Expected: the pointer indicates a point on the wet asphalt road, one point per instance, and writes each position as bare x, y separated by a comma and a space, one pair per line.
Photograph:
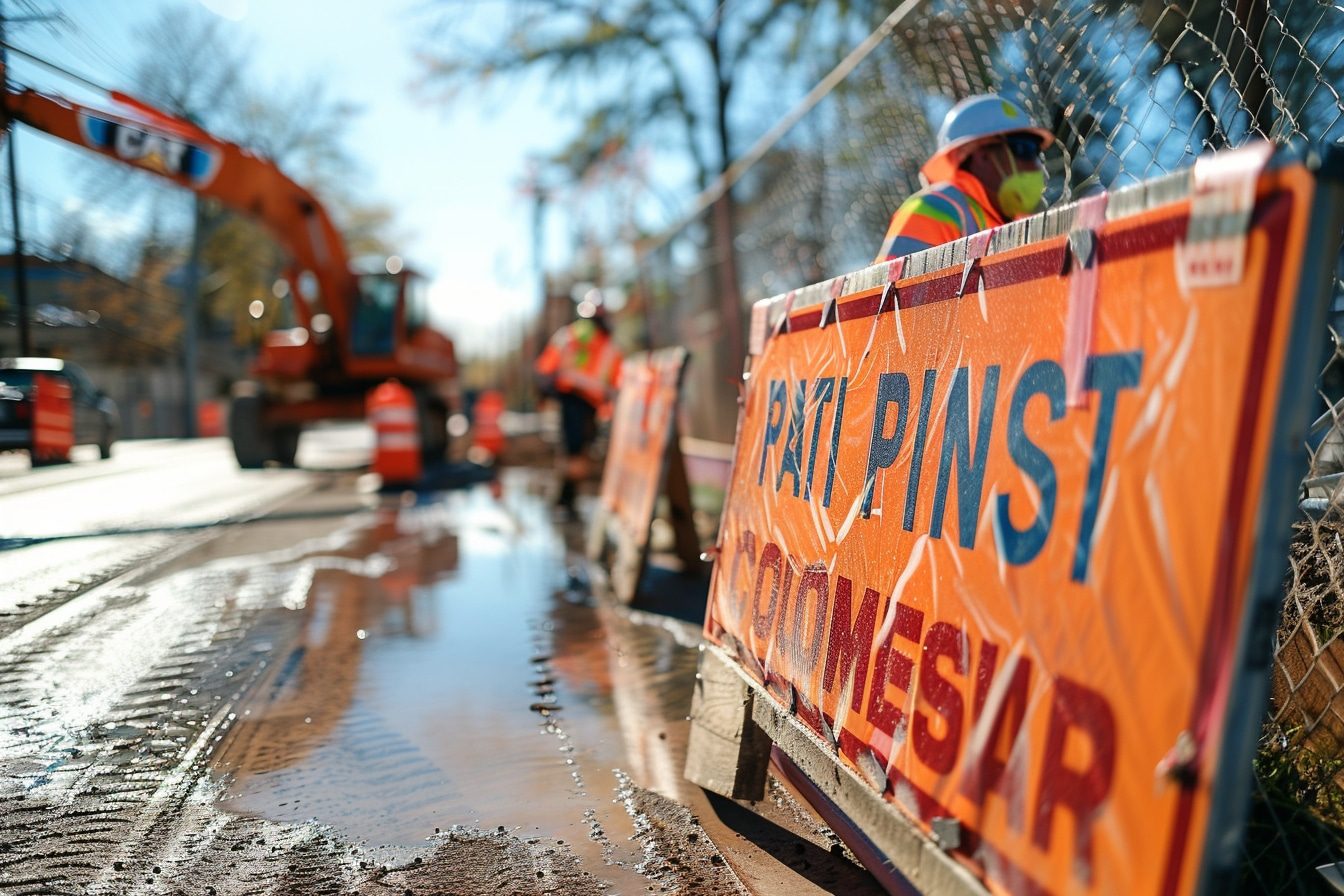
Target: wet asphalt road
355, 694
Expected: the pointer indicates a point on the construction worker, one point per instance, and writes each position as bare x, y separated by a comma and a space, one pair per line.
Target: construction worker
985, 172
580, 368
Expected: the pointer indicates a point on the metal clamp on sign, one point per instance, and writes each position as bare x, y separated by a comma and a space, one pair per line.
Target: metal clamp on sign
977, 244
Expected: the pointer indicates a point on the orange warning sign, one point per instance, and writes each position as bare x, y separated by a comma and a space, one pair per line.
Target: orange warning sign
641, 426
991, 529
643, 462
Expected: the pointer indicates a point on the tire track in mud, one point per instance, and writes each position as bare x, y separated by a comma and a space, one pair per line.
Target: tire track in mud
117, 706
113, 710
47, 587
38, 578
109, 716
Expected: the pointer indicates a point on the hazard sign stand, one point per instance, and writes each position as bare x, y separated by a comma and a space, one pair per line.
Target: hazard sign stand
961, 679
644, 462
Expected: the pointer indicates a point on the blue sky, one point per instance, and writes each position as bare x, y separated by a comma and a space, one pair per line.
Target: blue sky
451, 173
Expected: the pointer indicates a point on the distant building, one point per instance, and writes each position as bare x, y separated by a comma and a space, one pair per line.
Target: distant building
127, 335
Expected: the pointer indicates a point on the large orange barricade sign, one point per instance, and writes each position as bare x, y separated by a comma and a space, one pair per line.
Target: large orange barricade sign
993, 528
643, 461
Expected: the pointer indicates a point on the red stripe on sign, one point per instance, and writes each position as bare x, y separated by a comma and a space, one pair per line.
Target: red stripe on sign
1038, 265
1218, 648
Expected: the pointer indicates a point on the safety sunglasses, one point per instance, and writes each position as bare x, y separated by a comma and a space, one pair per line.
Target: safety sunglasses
1022, 146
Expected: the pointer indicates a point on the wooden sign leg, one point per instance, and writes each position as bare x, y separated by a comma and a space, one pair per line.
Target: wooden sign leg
680, 511
728, 753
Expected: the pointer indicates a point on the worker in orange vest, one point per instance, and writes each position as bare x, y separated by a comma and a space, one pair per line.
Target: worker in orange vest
985, 172
580, 368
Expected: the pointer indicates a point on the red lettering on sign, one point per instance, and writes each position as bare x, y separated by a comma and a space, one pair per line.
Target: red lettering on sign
781, 619
1079, 751
1087, 714
850, 641
814, 581
746, 552
773, 560
894, 667
997, 726
940, 753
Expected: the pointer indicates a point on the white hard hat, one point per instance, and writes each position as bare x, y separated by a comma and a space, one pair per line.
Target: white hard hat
971, 121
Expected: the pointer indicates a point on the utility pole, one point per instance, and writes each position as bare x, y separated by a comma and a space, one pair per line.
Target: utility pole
20, 272
191, 303
535, 331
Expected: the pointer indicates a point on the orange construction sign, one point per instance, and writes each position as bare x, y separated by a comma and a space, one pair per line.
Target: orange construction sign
1008, 521
643, 462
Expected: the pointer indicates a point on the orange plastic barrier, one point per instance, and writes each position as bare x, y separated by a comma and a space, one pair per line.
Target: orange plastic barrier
487, 434
643, 461
53, 420
390, 410
1007, 534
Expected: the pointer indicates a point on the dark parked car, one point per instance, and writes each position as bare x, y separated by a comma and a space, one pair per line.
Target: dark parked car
95, 415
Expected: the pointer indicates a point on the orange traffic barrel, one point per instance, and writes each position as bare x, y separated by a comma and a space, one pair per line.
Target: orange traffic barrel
209, 419
53, 420
390, 410
487, 434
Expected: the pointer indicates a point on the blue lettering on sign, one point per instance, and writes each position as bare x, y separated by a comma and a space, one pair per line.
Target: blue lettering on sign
892, 388
793, 442
1107, 374
796, 414
835, 441
1019, 546
795, 420
773, 425
957, 441
917, 462
822, 394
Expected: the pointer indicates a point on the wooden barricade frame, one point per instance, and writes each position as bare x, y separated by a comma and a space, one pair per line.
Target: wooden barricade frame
1059, 663
643, 462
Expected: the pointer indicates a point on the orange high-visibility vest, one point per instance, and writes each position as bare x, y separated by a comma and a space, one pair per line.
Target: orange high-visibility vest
584, 361
939, 214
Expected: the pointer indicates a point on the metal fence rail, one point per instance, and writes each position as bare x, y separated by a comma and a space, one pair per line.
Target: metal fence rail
1131, 91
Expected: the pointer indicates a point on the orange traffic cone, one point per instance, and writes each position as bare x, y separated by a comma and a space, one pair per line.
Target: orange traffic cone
390, 409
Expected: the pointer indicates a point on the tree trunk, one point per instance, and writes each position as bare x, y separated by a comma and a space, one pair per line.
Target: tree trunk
722, 222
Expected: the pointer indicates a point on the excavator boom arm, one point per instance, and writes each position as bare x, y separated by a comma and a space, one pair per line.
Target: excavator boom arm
179, 151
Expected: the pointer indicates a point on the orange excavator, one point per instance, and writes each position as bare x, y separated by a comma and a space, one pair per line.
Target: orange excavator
354, 330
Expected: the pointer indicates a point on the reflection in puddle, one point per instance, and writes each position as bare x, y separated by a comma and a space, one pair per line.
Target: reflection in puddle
444, 677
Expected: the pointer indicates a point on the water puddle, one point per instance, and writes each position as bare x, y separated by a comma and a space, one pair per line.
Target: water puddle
446, 678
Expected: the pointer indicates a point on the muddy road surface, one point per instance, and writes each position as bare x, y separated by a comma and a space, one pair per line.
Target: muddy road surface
331, 691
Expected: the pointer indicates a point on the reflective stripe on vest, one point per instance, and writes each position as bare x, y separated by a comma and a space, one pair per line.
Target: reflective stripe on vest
588, 369
938, 214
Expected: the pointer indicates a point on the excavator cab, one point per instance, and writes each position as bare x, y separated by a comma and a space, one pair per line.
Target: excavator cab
373, 326
387, 302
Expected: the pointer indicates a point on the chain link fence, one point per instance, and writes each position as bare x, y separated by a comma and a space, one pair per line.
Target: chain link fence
1131, 91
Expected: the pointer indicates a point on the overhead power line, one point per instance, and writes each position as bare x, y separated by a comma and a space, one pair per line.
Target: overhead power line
58, 69
724, 182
